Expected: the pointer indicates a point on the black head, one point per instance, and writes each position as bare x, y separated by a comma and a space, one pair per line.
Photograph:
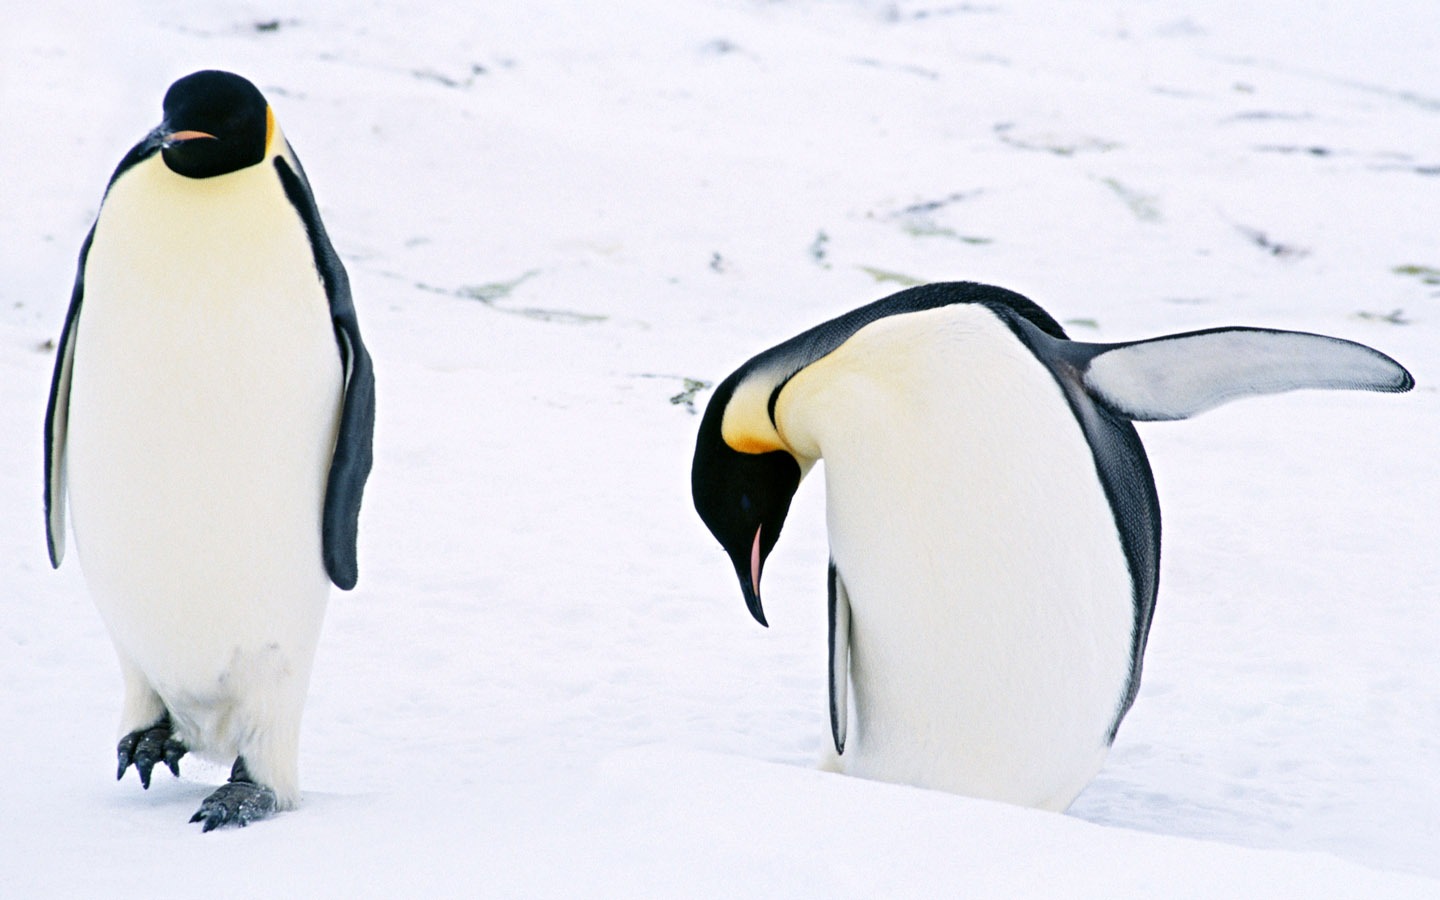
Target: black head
742, 497
215, 123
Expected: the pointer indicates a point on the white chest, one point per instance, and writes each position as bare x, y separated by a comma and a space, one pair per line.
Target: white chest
991, 601
205, 394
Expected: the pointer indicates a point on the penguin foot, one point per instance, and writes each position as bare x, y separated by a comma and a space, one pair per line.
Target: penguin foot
238, 802
144, 747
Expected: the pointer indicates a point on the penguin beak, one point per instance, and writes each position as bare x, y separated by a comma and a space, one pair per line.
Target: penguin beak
750, 580
177, 137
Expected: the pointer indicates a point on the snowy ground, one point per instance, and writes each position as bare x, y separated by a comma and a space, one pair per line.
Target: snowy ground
556, 213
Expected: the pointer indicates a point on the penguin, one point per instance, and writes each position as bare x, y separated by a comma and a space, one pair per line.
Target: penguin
993, 524
210, 419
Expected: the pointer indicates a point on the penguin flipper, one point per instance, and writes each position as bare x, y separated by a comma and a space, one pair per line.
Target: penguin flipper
57, 416
350, 464
1180, 375
839, 657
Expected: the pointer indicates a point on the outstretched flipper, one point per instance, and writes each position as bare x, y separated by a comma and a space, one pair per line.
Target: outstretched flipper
1180, 375
144, 747
238, 802
1174, 377
839, 658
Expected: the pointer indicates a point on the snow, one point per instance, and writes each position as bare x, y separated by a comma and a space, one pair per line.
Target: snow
553, 214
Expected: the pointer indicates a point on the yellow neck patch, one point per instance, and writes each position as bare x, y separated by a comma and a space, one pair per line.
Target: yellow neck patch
746, 426
269, 127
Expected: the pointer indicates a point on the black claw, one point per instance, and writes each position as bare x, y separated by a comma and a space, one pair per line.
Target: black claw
125, 750
145, 759
238, 802
144, 747
173, 751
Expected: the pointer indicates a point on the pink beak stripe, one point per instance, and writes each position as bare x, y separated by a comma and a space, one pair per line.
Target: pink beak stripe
755, 563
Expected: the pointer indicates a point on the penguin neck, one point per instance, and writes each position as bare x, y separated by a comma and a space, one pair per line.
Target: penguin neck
239, 224
177, 204
938, 373
937, 428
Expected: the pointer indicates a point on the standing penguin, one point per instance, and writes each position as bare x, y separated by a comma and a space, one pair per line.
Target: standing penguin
212, 411
994, 527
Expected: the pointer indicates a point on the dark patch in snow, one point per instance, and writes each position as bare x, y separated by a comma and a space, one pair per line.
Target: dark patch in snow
1266, 115
1273, 247
917, 219
1380, 162
1404, 95
1394, 317
690, 387
450, 81
1288, 149
1048, 143
929, 206
1427, 274
924, 226
1145, 207
724, 47
894, 12
1405, 167
491, 293
897, 67
885, 276
820, 248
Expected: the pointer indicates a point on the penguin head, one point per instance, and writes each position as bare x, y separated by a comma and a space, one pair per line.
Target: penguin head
743, 493
215, 123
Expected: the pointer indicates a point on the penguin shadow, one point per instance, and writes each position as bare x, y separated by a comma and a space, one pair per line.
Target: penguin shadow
168, 799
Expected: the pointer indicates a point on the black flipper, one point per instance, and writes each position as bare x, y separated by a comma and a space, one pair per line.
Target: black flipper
57, 416
839, 658
350, 464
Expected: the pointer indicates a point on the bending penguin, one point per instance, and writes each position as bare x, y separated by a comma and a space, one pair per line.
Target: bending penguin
994, 528
211, 410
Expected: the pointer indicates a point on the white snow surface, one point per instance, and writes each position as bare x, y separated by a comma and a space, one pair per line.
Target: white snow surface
553, 213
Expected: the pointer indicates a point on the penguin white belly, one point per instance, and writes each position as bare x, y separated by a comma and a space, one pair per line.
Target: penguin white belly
203, 413
991, 603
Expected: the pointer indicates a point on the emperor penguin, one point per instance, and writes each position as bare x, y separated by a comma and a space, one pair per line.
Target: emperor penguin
993, 524
211, 414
